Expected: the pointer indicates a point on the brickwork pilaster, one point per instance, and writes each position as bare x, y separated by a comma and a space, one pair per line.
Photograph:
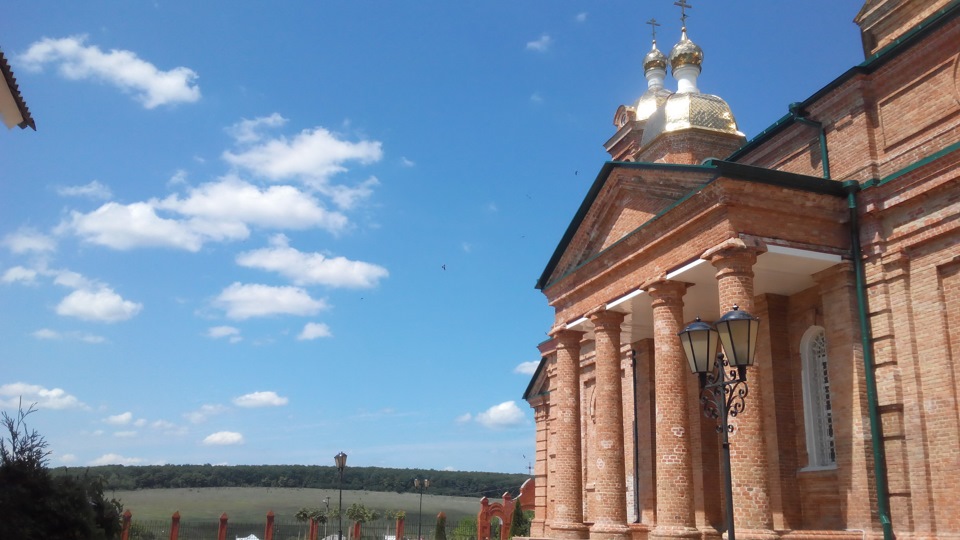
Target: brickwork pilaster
609, 507
848, 397
567, 519
748, 450
675, 499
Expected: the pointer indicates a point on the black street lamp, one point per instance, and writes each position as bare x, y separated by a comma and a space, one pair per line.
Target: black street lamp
723, 379
420, 485
341, 461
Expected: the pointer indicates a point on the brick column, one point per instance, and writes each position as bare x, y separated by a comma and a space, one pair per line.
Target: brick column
753, 517
567, 520
676, 517
610, 514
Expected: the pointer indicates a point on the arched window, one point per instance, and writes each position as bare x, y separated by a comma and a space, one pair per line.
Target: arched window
817, 411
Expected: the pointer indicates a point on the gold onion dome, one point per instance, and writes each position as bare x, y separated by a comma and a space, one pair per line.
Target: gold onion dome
691, 111
685, 53
654, 59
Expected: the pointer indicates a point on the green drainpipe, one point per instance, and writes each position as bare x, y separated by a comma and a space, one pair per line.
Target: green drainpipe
799, 115
876, 436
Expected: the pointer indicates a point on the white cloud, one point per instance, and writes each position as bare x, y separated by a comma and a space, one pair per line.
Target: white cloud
217, 332
406, 162
116, 459
140, 422
19, 274
312, 268
248, 131
204, 412
123, 69
527, 368
464, 418
260, 399
28, 240
230, 203
125, 434
119, 419
581, 17
243, 301
68, 458
57, 398
103, 305
346, 197
313, 331
542, 44
222, 438
93, 190
46, 333
133, 225
506, 414
178, 178
169, 428
313, 155
536, 97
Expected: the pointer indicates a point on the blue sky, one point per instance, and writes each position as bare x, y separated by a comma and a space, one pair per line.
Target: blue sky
258, 233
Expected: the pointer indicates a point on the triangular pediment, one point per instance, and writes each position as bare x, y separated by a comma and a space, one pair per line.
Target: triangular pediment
623, 200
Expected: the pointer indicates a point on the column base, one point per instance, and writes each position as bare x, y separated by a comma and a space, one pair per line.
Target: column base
674, 531
609, 532
569, 531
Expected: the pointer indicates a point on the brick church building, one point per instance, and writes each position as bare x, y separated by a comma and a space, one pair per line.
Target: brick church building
839, 228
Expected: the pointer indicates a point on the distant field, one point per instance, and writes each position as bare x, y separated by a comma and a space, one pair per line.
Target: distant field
252, 504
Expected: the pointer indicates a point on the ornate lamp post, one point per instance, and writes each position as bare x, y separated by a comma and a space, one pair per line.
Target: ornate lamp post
723, 379
341, 461
420, 485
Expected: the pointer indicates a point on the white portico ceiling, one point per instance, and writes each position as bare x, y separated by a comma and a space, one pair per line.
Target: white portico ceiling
780, 270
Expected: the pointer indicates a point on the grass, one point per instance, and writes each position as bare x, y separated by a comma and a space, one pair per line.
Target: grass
252, 504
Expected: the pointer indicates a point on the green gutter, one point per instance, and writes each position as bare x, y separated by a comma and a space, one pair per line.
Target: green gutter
871, 64
866, 337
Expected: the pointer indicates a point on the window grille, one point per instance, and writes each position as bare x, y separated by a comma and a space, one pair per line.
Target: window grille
818, 411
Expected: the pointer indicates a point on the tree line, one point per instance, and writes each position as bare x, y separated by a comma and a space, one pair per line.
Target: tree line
453, 483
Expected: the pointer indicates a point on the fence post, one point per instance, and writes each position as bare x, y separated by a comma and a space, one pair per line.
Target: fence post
125, 531
356, 530
268, 531
314, 528
222, 532
175, 526
400, 522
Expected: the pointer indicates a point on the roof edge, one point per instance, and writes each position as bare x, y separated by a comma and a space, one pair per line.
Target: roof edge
868, 66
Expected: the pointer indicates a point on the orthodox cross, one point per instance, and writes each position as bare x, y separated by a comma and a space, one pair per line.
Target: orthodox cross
653, 28
683, 10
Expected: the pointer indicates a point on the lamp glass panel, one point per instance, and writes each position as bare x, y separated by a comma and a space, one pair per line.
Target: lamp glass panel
700, 346
739, 337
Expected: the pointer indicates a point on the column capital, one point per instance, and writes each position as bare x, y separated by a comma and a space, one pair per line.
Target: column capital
665, 292
565, 337
604, 319
743, 247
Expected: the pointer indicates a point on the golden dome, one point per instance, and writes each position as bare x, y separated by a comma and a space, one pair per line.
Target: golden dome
650, 101
685, 53
654, 59
692, 110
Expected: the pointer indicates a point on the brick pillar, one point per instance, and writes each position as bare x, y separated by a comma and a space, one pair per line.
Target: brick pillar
609, 514
268, 529
748, 449
675, 499
567, 520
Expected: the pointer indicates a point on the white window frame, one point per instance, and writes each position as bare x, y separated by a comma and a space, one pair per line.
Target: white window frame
817, 413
